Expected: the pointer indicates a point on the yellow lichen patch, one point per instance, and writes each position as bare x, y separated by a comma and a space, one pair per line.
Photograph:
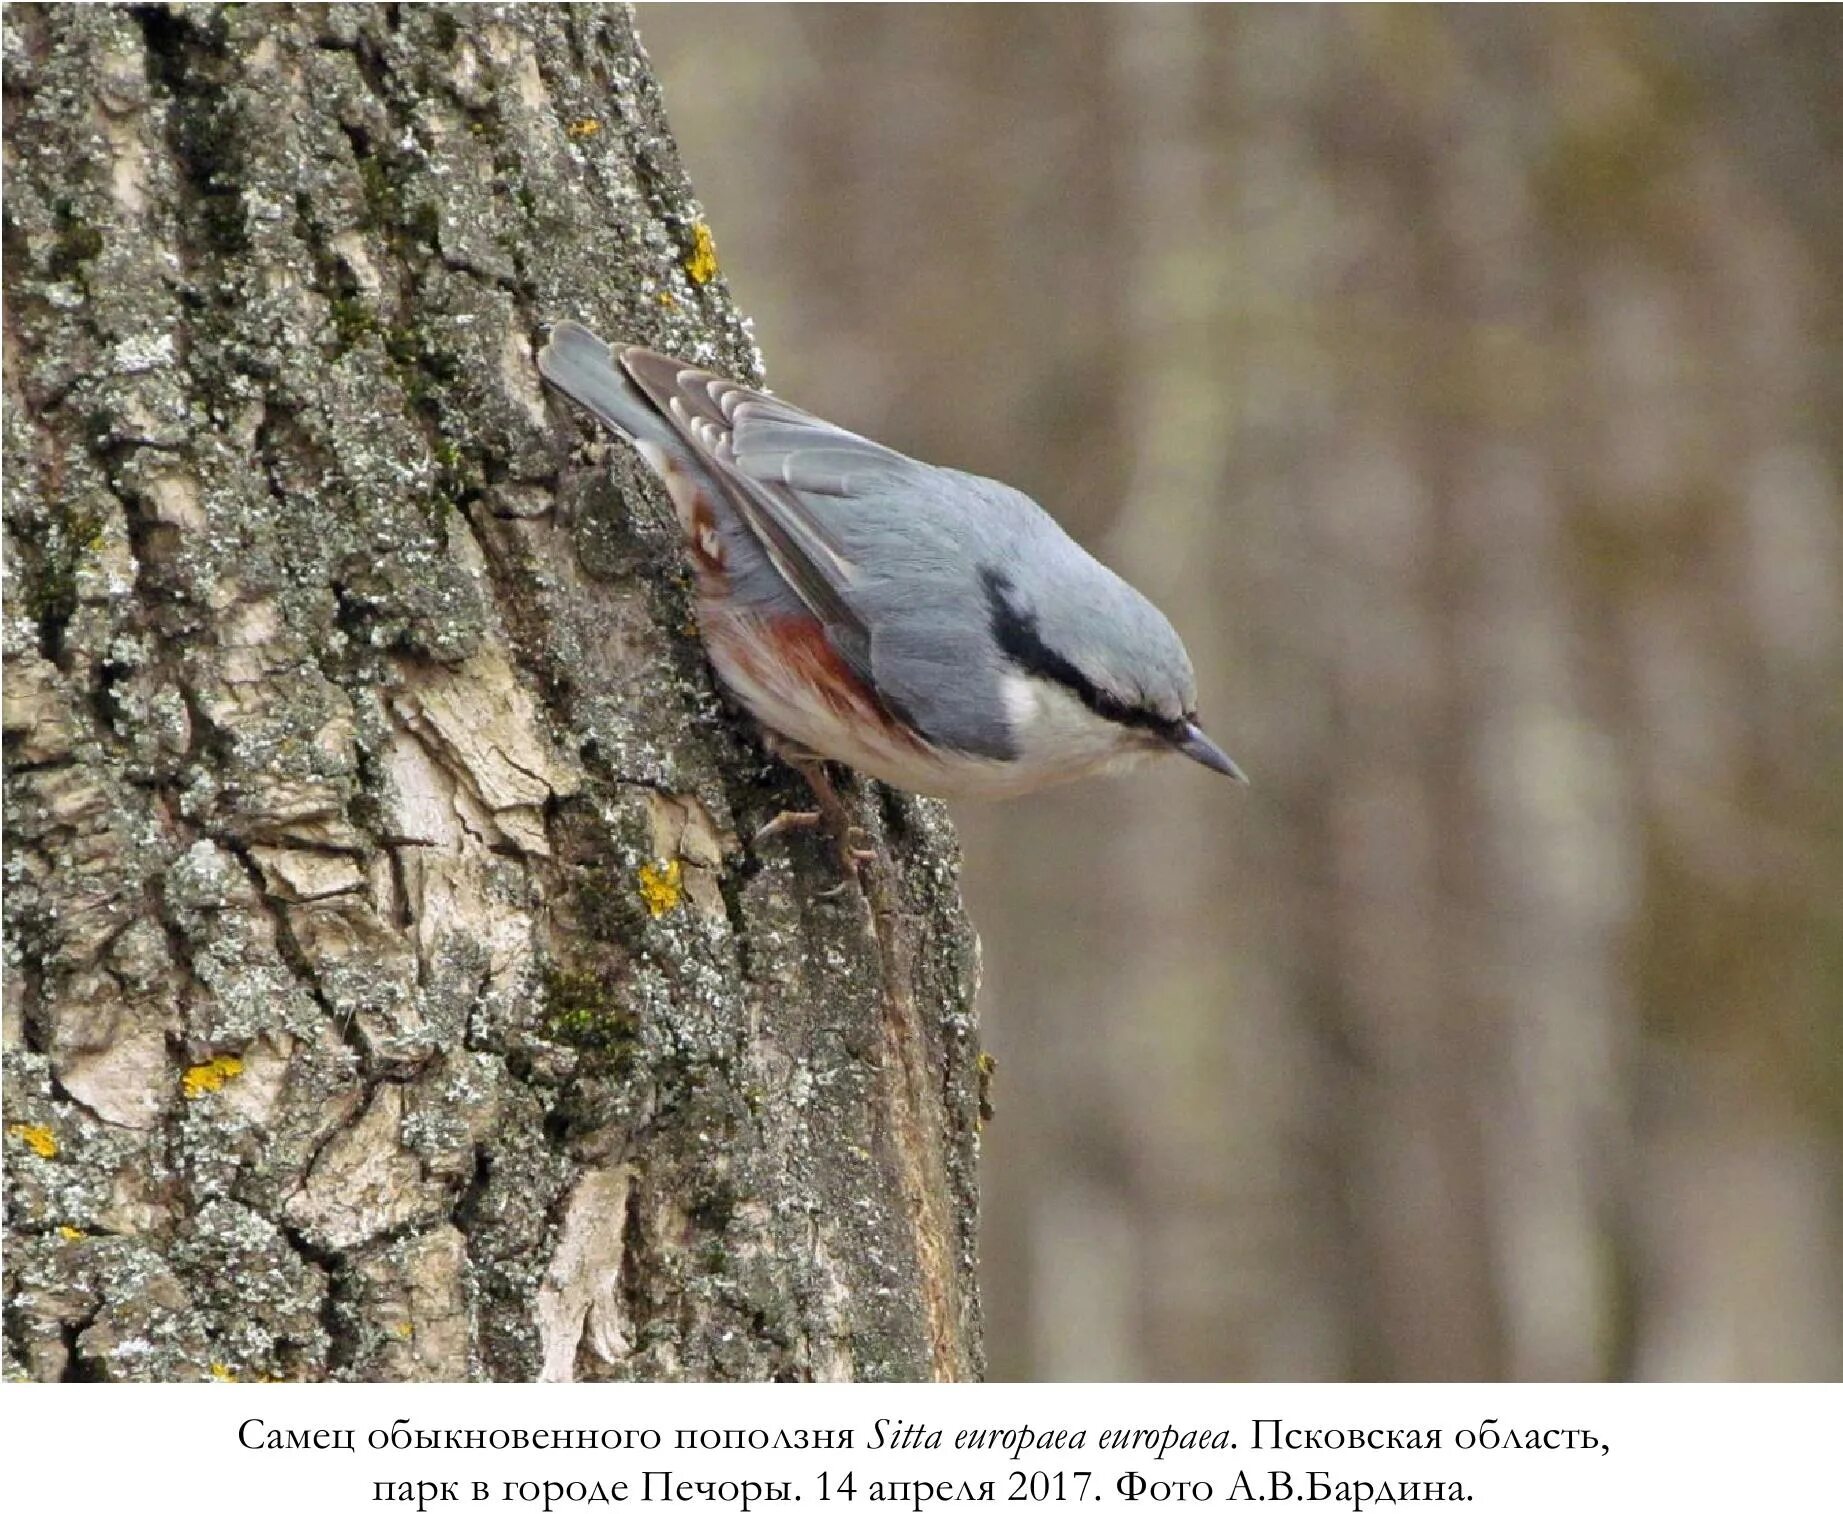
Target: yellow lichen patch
70, 1232
665, 298
581, 131
209, 1077
701, 266
662, 886
223, 1373
986, 1069
403, 1330
41, 1140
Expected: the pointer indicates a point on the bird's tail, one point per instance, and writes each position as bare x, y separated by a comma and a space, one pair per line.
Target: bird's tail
586, 369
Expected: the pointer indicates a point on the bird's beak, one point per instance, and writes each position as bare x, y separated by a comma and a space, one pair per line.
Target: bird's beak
1199, 748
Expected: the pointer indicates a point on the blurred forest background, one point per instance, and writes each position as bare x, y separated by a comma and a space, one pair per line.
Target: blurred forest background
1468, 386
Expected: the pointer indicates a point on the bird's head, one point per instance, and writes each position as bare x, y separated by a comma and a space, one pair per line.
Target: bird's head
1095, 678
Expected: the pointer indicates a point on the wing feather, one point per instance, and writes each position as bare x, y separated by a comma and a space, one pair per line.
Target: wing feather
762, 452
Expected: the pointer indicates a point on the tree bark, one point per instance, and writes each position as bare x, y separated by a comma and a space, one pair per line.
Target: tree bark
389, 993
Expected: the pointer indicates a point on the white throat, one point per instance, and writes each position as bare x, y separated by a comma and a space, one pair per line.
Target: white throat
1058, 736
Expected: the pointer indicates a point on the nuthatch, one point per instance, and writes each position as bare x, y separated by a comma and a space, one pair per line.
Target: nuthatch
932, 628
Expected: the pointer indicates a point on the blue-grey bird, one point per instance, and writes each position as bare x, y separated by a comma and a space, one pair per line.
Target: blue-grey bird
934, 629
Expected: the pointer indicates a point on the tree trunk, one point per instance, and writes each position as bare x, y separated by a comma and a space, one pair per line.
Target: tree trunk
389, 992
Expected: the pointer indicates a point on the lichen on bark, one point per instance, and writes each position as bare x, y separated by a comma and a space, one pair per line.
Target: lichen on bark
354, 726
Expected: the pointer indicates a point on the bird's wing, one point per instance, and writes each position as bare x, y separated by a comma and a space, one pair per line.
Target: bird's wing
777, 443
764, 453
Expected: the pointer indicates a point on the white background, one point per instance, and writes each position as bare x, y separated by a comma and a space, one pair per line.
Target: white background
1671, 1447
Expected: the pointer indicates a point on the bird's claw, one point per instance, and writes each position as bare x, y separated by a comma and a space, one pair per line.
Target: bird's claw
854, 849
853, 843
789, 820
852, 860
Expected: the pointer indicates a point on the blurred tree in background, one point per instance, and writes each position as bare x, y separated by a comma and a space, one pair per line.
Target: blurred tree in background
1467, 384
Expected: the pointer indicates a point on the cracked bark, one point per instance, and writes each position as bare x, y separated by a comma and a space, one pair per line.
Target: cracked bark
388, 994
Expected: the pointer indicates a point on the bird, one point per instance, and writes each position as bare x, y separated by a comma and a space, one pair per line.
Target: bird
936, 630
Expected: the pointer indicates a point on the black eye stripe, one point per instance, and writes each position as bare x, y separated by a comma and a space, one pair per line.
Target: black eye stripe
1018, 638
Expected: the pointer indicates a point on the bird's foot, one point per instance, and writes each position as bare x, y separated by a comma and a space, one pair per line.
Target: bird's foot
789, 820
852, 842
